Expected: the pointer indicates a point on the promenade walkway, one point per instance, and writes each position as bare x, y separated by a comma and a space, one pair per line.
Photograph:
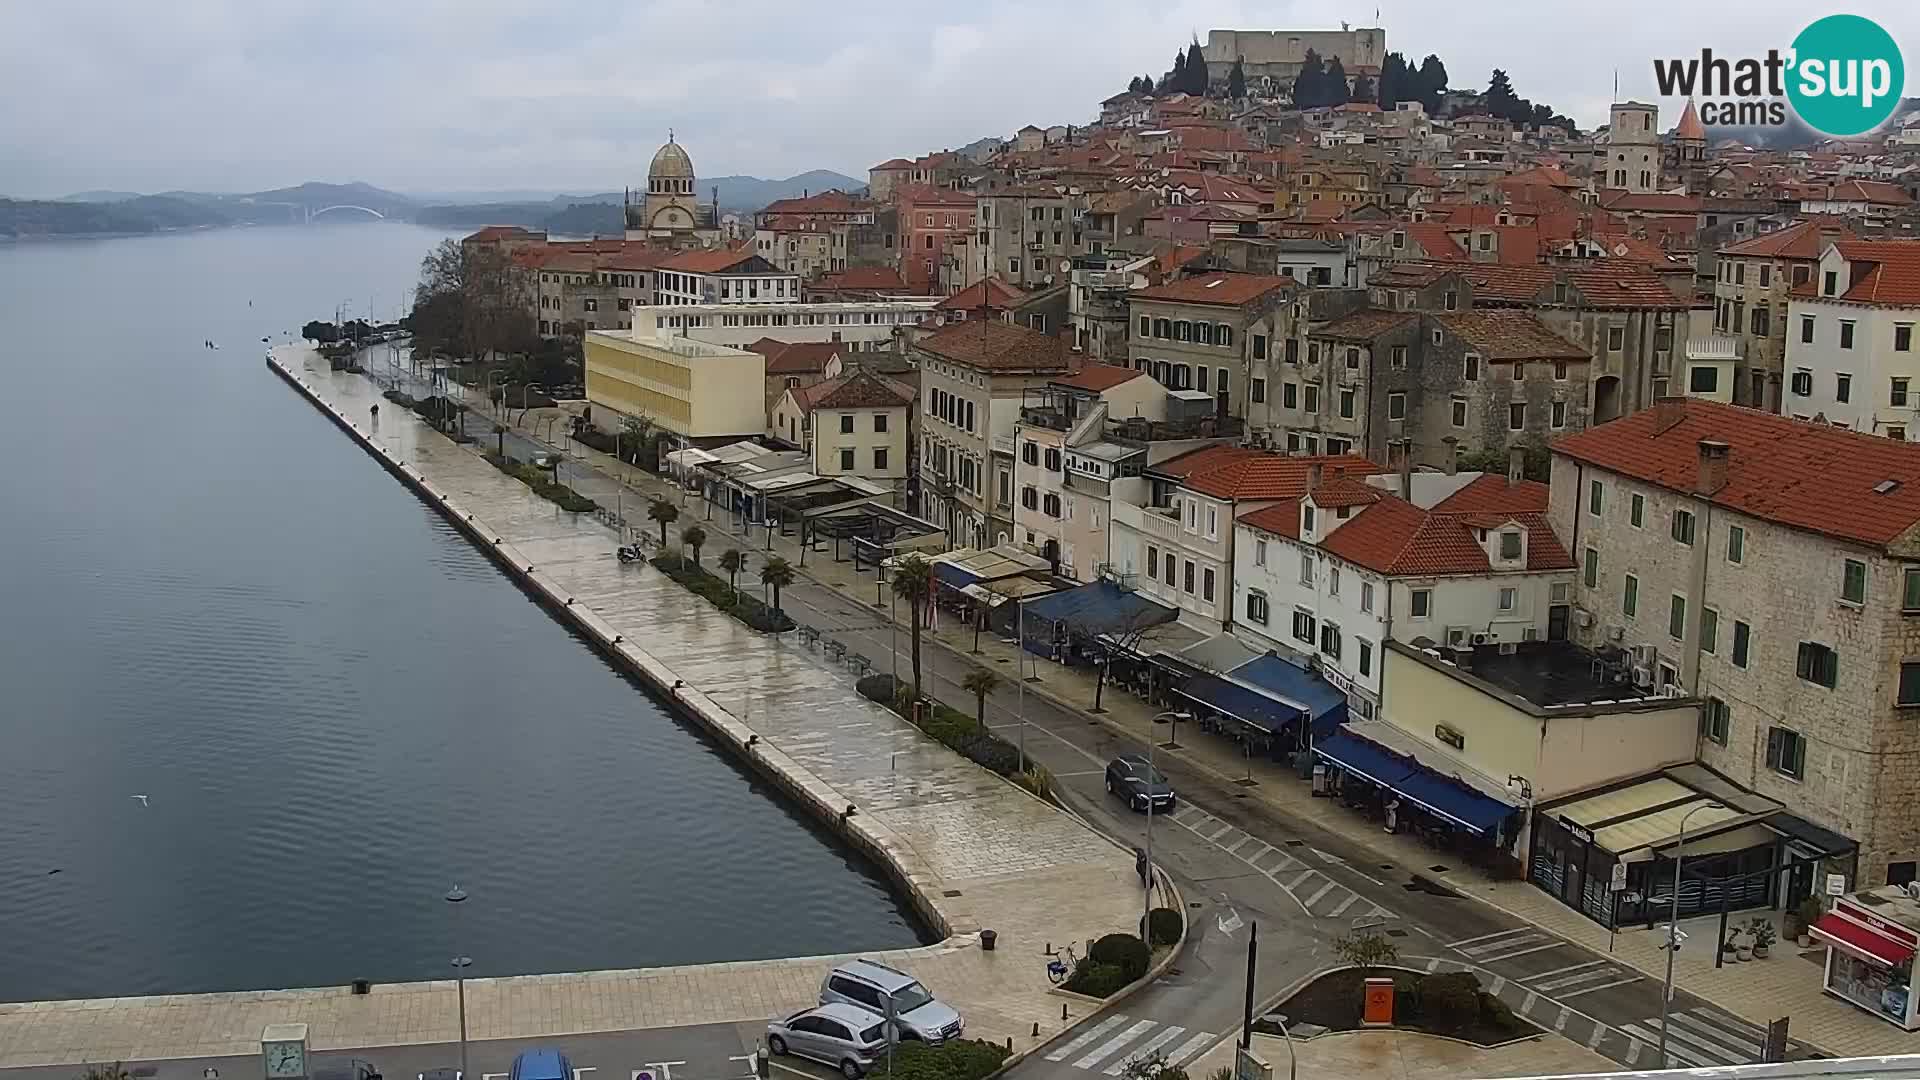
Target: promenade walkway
977, 851
1756, 991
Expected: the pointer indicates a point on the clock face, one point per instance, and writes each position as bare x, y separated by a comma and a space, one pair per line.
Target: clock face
286, 1059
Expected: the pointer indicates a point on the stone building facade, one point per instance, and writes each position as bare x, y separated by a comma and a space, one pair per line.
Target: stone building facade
1752, 281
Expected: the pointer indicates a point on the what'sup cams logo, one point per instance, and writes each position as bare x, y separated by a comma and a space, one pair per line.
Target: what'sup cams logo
1843, 76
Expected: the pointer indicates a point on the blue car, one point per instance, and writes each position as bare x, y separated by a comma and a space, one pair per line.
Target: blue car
541, 1065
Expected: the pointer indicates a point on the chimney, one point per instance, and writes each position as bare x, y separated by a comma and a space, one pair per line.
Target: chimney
1516, 465
1313, 476
1452, 454
1713, 467
1404, 449
1667, 412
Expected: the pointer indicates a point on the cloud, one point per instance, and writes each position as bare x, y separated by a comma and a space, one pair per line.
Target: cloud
476, 94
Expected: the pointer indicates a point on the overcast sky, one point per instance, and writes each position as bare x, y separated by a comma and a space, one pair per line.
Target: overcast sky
451, 95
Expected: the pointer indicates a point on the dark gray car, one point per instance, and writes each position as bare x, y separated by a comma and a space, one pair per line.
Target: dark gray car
1130, 777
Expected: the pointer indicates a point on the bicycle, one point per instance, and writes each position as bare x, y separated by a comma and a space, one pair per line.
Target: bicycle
1061, 966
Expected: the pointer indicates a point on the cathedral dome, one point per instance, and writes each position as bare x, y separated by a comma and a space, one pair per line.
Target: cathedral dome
671, 163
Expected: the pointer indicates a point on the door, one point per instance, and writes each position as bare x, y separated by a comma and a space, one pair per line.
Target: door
1557, 622
807, 1037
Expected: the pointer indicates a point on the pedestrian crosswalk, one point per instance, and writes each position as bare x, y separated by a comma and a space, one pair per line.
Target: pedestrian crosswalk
1586, 977
1700, 1037
1505, 945
1110, 1045
1317, 893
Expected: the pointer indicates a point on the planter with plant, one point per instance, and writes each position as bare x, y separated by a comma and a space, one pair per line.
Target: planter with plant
1742, 943
1729, 953
1809, 913
1763, 935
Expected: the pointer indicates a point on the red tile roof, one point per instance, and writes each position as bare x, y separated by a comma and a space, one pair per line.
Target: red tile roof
1344, 490
1364, 325
1877, 192
1803, 475
1281, 519
798, 357
1886, 272
1492, 494
1604, 284
1216, 288
1509, 335
860, 390
1270, 476
831, 201
714, 261
1801, 240
1649, 202
1395, 537
868, 278
988, 293
896, 163
1184, 465
997, 346
1099, 377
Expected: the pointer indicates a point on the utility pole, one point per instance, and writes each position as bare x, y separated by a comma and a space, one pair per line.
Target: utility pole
1246, 1019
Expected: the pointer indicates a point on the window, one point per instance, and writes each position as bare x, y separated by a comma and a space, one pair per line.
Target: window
1259, 553
1766, 274
1829, 282
1397, 357
1153, 562
1303, 626
1366, 656
1306, 560
1616, 338
1053, 459
1596, 498
1817, 664
1509, 599
1353, 359
846, 460
1510, 545
1704, 379
1787, 750
1519, 371
1846, 333
1396, 405
1902, 337
1630, 597
1259, 345
1897, 432
1897, 393
1311, 399
846, 423
1206, 584
1677, 618
1910, 590
1459, 412
1289, 397
879, 423
1473, 367
1713, 721
1146, 326
1742, 642
1186, 577
1420, 603
1591, 574
1842, 387
1683, 527
1333, 581
1259, 391
1291, 353
1172, 565
1853, 581
1517, 416
1806, 329
1636, 509
1909, 683
1330, 640
1257, 607
1453, 295
1366, 596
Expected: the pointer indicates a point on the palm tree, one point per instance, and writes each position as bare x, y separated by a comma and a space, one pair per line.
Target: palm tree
694, 537
665, 513
733, 561
980, 682
777, 574
913, 582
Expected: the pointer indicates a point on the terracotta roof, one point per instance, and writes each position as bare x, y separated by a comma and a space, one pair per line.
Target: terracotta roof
1344, 490
1216, 288
1509, 335
1392, 536
1492, 494
1364, 325
797, 357
503, 232
1281, 519
896, 163
1878, 192
860, 390
1649, 202
1184, 465
831, 201
1803, 475
1690, 126
1270, 476
715, 261
1099, 377
987, 293
873, 278
1607, 283
1801, 240
997, 346
1886, 272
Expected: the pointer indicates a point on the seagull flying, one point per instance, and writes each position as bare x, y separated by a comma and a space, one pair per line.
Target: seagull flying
142, 798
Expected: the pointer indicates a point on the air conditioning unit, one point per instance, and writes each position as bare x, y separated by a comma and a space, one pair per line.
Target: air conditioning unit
1035, 246
1457, 636
1673, 690
1645, 656
1531, 633
1482, 639
1508, 648
1642, 677
1615, 633
1582, 618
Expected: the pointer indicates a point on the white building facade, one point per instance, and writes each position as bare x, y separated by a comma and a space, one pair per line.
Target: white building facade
1851, 356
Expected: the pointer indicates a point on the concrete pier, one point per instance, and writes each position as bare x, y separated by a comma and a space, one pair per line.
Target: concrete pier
971, 850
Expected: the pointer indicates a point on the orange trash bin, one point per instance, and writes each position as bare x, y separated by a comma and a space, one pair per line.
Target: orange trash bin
1378, 1010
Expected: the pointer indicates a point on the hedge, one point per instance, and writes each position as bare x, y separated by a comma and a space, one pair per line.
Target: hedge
1164, 925
748, 609
956, 1059
1124, 951
1096, 980
536, 478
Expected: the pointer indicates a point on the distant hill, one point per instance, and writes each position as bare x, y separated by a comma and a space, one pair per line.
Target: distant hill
99, 196
141, 214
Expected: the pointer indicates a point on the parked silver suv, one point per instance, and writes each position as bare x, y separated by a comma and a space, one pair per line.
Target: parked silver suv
869, 983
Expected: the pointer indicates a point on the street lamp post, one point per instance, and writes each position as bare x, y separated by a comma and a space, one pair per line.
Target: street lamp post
457, 896
1673, 924
1146, 902
1293, 1060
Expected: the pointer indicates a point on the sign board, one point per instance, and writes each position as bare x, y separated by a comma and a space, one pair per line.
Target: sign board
1378, 1011
1247, 1066
1776, 1048
1450, 736
1619, 881
1836, 884
1575, 831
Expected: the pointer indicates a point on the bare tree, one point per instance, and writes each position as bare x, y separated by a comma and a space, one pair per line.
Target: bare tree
1114, 641
472, 300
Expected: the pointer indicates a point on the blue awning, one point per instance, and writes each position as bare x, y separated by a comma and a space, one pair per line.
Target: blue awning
1414, 782
949, 574
1321, 700
1099, 607
1248, 706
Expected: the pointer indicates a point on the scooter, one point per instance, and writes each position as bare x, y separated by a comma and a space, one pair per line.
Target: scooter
630, 553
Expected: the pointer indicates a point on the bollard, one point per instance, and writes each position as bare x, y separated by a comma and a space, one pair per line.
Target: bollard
988, 938
1036, 1029
1009, 1044
1063, 1012
761, 1066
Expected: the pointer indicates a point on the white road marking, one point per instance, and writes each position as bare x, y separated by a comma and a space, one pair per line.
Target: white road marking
1560, 1022
1520, 952
1318, 893
1237, 844
1538, 979
1266, 849
1675, 1048
1499, 984
1488, 937
1224, 830
1298, 881
1593, 1040
1526, 1006
1736, 1032
1081, 1040
1715, 1040
1343, 906
1602, 986
1114, 1044
1633, 1052
1488, 948
1146, 1049
1593, 975
1433, 964
1190, 1048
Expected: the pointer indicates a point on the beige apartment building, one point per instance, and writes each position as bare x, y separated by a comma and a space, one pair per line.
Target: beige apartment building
1752, 283
973, 377
1026, 236
702, 393
1198, 333
856, 424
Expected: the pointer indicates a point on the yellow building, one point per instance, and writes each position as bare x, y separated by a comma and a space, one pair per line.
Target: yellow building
695, 389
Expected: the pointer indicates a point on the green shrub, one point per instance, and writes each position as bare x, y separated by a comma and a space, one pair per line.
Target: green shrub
1096, 980
880, 688
536, 478
1497, 1012
1449, 1002
957, 1059
748, 609
1124, 951
1164, 925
